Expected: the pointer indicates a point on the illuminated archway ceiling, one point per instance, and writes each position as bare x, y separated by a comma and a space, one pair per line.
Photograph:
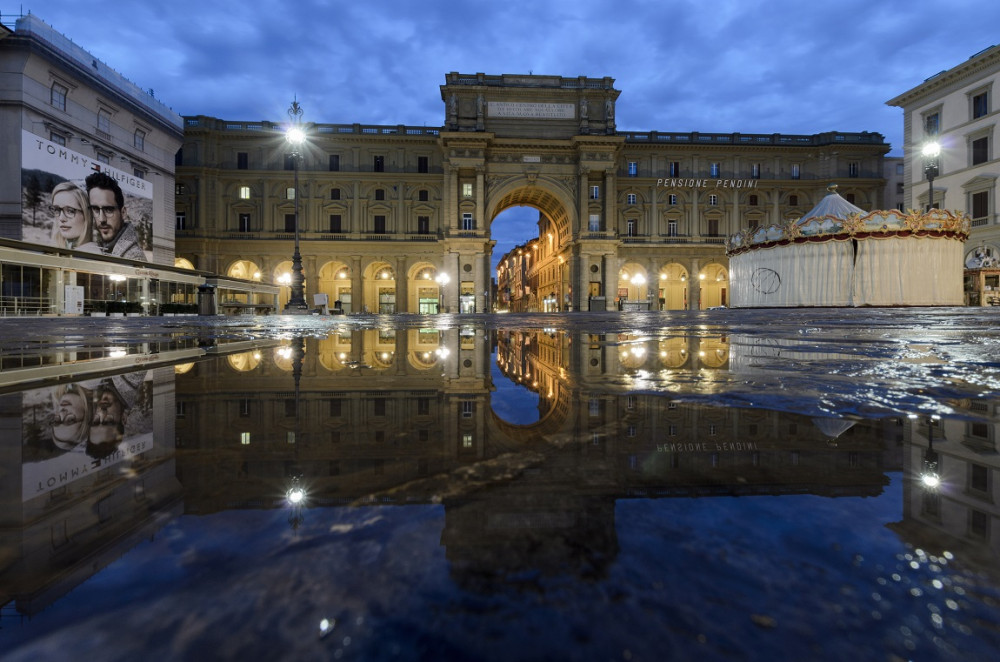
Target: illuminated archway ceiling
539, 198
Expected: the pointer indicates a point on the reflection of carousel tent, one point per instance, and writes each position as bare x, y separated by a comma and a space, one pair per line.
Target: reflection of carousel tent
832, 427
840, 255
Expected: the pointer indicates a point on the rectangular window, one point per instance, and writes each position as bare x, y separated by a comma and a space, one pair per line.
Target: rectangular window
980, 105
468, 222
422, 164
290, 436
715, 169
289, 162
595, 192
630, 227
672, 199
713, 227
335, 194
899, 168
290, 223
334, 163
755, 171
104, 158
244, 193
981, 204
380, 224
713, 200
466, 440
468, 408
423, 406
633, 169
380, 194
793, 201
336, 408
104, 122
139, 172
423, 224
980, 150
245, 407
796, 171
378, 164
467, 190
595, 223
422, 195
179, 189
594, 407
290, 193
58, 139
900, 188
979, 524
335, 223
978, 478
242, 160
180, 219
630, 403
179, 409
245, 438
58, 96
752, 200
932, 124
630, 198
671, 228
853, 169
675, 168
139, 140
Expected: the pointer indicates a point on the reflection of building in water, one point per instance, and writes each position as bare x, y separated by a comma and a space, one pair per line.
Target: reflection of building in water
418, 427
956, 509
67, 513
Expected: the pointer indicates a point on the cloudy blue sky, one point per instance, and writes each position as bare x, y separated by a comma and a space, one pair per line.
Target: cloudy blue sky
754, 66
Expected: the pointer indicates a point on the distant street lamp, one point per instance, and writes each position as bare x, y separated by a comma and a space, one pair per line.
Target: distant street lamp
930, 153
295, 137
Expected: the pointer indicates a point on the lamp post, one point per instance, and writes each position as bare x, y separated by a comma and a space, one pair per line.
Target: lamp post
295, 136
930, 153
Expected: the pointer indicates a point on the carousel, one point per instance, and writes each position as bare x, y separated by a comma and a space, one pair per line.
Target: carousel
840, 255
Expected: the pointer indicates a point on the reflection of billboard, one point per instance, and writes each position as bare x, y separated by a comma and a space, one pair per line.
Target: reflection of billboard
70, 200
73, 430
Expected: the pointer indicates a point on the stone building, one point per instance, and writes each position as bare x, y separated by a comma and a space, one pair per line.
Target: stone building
401, 218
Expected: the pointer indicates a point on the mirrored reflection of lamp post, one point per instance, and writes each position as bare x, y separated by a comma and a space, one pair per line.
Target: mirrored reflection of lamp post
930, 476
295, 136
442, 279
930, 153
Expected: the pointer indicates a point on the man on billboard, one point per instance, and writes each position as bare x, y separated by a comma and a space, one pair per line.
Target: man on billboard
107, 203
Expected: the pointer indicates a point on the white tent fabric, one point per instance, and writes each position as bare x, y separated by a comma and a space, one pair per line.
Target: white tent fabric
839, 255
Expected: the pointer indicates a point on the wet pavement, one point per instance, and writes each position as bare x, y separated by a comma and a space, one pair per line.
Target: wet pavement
728, 484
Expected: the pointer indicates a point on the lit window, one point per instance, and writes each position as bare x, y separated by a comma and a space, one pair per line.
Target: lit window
290, 193
244, 193
245, 438
633, 168
595, 192
466, 440
594, 223
139, 140
796, 171
755, 171
467, 190
715, 169
58, 97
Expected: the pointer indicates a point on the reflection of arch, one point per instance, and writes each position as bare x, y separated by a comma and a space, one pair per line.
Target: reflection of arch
282, 275
713, 352
334, 351
423, 288
424, 348
244, 269
284, 358
714, 280
183, 263
244, 361
674, 352
183, 368
633, 355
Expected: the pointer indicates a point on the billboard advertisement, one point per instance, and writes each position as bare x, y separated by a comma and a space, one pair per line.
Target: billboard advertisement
71, 431
70, 200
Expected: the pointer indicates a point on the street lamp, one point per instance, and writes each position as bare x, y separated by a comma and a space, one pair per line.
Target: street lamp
930, 153
296, 136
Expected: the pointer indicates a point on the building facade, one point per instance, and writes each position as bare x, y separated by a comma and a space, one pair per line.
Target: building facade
401, 218
65, 115
955, 108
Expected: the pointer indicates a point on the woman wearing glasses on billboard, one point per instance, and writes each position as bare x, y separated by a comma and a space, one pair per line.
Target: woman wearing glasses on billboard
73, 226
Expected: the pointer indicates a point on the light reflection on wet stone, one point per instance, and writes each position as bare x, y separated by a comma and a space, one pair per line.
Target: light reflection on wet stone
434, 524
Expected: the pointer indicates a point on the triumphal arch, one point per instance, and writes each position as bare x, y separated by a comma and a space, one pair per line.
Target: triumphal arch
402, 218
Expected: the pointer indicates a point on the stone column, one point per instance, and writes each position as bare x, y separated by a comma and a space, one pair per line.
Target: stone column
610, 197
610, 269
402, 287
654, 221
694, 286
357, 285
480, 273
480, 200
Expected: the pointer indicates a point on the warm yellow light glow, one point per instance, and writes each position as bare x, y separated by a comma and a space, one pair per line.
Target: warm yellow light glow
342, 275
701, 276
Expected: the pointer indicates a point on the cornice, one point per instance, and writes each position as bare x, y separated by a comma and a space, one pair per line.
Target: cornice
983, 60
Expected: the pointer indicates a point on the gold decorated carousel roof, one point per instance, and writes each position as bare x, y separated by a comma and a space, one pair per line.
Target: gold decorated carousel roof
836, 219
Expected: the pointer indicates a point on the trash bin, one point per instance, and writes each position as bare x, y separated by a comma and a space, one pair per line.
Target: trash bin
206, 300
